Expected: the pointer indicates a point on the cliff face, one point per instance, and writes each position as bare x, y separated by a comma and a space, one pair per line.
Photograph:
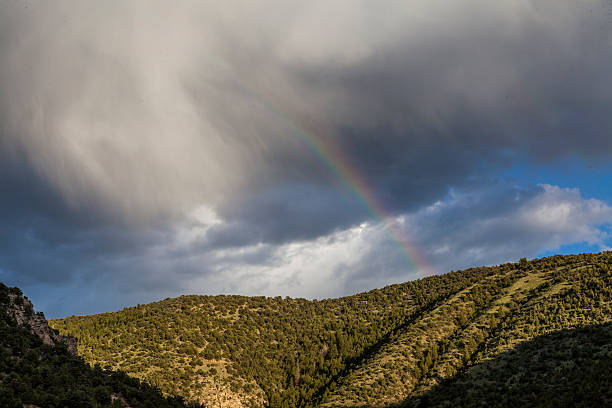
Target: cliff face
37, 368
22, 310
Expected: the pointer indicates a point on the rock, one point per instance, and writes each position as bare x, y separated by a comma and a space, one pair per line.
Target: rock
22, 310
121, 400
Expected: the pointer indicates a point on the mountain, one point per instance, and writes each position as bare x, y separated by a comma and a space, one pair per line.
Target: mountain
508, 335
39, 368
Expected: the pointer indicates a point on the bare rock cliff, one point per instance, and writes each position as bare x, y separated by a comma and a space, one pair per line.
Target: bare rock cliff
22, 310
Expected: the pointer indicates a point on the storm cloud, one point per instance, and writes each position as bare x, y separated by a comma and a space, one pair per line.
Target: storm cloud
154, 148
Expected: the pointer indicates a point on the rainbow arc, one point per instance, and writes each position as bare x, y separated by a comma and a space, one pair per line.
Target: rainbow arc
320, 143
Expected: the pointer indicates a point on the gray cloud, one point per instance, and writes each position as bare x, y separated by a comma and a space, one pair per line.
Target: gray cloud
119, 120
114, 103
460, 231
505, 223
485, 226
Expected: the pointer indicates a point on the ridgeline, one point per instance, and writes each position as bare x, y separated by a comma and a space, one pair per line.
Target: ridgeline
517, 334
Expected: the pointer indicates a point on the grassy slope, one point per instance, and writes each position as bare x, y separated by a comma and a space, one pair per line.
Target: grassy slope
372, 349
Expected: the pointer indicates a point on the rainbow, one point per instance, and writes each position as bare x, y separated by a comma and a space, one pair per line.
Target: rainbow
336, 161
338, 164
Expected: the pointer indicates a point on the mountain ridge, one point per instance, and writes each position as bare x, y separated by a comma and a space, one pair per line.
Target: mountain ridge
376, 348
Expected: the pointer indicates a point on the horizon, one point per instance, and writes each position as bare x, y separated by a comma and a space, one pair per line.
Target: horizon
367, 290
287, 149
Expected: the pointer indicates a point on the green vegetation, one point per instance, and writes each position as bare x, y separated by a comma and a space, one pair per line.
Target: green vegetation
48, 376
569, 368
399, 344
546, 296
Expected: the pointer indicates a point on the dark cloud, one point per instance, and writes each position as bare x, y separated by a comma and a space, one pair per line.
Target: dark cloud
449, 103
118, 126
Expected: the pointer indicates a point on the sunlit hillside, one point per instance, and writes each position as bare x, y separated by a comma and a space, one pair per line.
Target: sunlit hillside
428, 341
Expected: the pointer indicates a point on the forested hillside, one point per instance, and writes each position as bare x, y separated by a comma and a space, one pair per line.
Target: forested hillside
419, 343
37, 368
567, 368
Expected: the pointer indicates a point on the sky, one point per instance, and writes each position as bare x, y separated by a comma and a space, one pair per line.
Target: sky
314, 149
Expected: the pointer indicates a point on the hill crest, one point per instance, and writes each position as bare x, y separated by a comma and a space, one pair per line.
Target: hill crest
377, 348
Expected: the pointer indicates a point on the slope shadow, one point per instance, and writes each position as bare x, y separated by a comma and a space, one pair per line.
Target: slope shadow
568, 368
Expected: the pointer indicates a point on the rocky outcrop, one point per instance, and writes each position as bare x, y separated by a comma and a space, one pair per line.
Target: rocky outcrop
22, 310
121, 399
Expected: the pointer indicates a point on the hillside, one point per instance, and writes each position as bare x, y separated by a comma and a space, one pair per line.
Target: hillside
405, 344
38, 367
570, 368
